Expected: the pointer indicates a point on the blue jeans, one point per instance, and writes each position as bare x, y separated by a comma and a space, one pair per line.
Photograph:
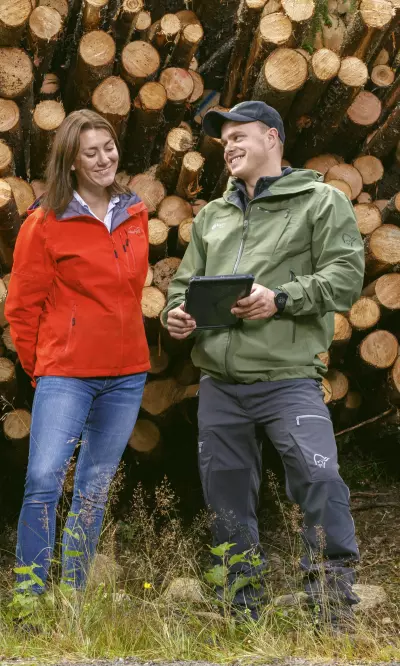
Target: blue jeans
100, 412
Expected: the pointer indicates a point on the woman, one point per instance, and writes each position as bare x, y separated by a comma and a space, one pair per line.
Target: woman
73, 306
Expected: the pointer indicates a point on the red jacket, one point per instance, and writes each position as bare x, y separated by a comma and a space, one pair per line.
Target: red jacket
74, 298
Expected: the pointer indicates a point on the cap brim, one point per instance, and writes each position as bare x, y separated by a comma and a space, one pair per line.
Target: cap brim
213, 121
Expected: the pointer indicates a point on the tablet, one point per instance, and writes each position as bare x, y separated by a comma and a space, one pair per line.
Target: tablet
209, 299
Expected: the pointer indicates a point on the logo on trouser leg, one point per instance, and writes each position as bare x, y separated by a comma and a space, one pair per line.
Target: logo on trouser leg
319, 460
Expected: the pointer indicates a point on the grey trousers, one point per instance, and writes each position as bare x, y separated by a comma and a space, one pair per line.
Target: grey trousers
297, 422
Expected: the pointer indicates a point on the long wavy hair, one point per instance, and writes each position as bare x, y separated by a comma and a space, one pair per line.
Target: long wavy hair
60, 180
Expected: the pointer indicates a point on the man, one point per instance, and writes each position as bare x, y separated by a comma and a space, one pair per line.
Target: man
299, 238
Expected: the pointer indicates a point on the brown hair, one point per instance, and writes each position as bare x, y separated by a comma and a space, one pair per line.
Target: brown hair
60, 180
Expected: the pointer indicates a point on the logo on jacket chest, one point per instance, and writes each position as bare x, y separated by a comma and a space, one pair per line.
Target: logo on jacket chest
135, 230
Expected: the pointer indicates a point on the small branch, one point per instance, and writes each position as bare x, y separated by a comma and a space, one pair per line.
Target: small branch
205, 67
363, 423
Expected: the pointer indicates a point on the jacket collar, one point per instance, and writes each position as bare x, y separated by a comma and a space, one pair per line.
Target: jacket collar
295, 182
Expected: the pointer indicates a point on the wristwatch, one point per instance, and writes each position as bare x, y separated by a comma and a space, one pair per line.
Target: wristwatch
280, 300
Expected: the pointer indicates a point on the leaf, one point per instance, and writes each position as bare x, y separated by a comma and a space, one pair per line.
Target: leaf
222, 549
74, 535
240, 557
73, 553
217, 575
26, 584
26, 570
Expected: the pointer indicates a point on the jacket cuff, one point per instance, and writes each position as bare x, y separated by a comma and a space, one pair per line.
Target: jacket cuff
295, 299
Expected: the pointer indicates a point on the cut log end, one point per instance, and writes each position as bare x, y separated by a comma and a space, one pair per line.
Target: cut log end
164, 271
158, 232
353, 72
325, 64
153, 302
198, 87
149, 189
23, 193
364, 314
365, 109
299, 11
17, 425
368, 218
370, 168
16, 73
140, 61
9, 115
349, 174
340, 185
384, 244
179, 140
7, 371
275, 29
149, 277
382, 76
323, 163
145, 437
173, 210
97, 49
343, 330
112, 98
152, 96
6, 160
59, 5
48, 115
376, 13
379, 349
387, 291
285, 70
178, 84
339, 384
45, 24
185, 231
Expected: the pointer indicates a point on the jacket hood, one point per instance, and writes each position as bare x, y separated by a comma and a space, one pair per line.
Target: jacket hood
297, 180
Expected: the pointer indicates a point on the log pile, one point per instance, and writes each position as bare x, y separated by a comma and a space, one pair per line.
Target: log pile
153, 69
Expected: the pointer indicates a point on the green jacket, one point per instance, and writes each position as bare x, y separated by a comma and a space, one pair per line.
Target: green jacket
300, 236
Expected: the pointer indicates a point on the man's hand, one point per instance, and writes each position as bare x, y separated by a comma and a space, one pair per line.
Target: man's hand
259, 305
179, 323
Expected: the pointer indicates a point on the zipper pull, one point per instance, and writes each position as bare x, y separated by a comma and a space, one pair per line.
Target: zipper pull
73, 321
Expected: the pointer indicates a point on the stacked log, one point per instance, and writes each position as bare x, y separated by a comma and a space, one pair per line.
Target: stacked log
144, 66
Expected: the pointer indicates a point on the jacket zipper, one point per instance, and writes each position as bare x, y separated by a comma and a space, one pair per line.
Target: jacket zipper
71, 328
235, 267
128, 251
311, 416
119, 302
293, 279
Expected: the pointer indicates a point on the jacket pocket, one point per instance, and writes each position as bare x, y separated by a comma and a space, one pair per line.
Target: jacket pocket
71, 330
129, 254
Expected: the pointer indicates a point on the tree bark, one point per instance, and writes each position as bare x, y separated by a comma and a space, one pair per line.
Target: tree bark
144, 122
189, 178
179, 87
366, 29
50, 90
111, 100
359, 119
382, 250
177, 143
142, 26
95, 62
186, 45
282, 76
393, 383
213, 153
45, 27
274, 31
164, 34
368, 217
93, 14
47, 118
352, 76
386, 137
159, 360
125, 22
247, 18
13, 21
140, 62
391, 212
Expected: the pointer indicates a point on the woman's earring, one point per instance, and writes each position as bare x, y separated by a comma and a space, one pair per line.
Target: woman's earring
72, 168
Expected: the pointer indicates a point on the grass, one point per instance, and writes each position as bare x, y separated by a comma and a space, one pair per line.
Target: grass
126, 610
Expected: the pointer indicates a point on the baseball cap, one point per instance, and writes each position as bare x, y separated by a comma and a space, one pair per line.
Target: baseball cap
245, 112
